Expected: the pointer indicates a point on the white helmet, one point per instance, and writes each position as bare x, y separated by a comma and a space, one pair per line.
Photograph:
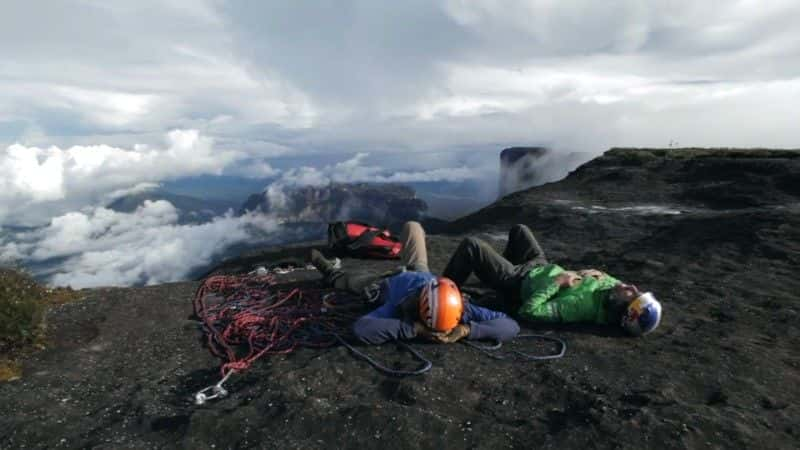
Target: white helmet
642, 316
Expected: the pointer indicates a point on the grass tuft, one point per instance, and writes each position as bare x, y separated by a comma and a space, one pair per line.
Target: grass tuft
23, 302
22, 305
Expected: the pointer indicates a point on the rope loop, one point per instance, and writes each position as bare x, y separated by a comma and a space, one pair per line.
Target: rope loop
425, 366
489, 350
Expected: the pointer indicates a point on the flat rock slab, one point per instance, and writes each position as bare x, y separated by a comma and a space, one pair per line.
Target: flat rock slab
722, 371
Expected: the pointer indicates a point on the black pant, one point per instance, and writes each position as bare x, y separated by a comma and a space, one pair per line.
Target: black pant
503, 273
413, 256
357, 283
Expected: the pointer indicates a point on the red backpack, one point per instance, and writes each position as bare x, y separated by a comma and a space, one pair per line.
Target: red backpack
363, 240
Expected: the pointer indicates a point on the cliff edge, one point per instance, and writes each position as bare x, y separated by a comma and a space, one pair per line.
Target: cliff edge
715, 234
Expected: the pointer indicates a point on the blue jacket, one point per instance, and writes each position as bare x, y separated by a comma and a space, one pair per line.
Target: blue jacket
386, 322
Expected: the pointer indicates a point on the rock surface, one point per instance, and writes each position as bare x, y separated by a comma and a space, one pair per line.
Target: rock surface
367, 202
714, 234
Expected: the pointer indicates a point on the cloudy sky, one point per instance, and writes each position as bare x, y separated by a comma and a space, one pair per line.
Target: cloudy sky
101, 97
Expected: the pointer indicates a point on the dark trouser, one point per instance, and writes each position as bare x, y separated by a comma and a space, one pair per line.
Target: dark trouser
413, 256
503, 273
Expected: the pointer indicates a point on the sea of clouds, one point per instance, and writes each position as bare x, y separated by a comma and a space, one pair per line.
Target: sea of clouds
56, 223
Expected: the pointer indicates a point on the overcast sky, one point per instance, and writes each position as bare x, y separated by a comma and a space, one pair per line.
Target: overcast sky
102, 96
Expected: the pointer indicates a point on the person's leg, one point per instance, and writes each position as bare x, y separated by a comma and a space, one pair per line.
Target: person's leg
357, 283
475, 255
414, 255
354, 282
523, 248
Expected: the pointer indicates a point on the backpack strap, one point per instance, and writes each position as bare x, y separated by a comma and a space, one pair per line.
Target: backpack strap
364, 239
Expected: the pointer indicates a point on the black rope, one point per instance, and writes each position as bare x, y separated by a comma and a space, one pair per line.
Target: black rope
489, 350
542, 337
426, 364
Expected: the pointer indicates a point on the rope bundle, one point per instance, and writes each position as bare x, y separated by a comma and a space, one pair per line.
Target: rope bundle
247, 317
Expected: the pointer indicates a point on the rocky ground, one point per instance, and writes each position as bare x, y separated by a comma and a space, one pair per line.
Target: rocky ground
715, 235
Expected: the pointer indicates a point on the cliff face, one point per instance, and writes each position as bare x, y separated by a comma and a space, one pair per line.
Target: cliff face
373, 203
703, 178
714, 234
524, 167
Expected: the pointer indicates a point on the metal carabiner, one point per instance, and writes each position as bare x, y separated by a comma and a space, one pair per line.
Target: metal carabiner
217, 389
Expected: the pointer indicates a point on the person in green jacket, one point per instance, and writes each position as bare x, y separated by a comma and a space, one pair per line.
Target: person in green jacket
539, 291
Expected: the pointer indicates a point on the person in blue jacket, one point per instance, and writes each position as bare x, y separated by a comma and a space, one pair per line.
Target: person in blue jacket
416, 302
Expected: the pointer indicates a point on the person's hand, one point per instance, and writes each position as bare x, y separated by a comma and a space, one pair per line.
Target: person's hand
568, 279
456, 334
594, 273
424, 332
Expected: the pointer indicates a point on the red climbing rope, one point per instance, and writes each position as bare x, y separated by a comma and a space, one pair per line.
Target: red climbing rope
247, 317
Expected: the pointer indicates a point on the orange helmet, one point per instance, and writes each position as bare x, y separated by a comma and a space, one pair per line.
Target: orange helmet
440, 305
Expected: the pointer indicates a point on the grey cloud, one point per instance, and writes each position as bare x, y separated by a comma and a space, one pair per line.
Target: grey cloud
358, 52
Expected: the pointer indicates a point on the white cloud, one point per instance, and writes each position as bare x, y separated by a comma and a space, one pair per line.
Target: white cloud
138, 189
54, 180
105, 107
354, 170
100, 247
254, 169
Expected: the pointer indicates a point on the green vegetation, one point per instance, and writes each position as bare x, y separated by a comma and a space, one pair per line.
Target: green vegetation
644, 154
22, 305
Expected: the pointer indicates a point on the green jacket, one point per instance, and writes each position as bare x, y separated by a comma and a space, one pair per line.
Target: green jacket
544, 300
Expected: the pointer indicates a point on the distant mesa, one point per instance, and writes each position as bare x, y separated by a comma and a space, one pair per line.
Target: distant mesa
379, 203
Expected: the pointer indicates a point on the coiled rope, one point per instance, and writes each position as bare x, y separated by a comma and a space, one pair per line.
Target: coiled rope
247, 317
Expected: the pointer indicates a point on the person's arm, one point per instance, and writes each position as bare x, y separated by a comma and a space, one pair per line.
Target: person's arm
531, 308
377, 330
384, 323
487, 324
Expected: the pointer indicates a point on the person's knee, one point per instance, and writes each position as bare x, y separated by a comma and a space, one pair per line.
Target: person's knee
469, 247
471, 243
412, 228
519, 227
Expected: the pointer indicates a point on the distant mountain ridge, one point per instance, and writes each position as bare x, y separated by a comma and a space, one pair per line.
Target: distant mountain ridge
190, 209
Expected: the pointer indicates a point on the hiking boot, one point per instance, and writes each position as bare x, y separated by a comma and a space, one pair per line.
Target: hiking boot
324, 265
